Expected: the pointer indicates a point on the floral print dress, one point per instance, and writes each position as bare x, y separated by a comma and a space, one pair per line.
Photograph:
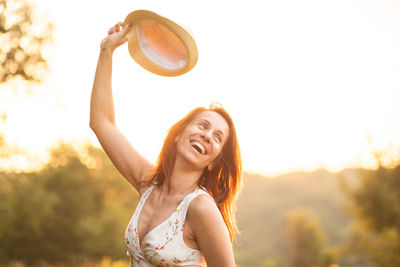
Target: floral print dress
163, 245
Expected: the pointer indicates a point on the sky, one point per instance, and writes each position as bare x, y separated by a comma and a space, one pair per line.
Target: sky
310, 84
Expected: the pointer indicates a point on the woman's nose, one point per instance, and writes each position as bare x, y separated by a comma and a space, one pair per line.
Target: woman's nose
206, 135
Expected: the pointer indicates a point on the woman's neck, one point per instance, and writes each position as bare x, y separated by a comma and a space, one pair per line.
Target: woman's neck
183, 180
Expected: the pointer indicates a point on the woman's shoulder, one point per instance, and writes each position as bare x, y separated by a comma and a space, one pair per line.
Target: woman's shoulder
207, 224
202, 207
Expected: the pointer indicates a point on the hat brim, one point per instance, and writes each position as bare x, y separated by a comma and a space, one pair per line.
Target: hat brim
182, 38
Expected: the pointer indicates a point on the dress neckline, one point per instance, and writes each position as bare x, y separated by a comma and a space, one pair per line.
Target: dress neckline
146, 195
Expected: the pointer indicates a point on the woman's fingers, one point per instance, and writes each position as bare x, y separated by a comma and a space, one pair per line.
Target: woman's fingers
116, 28
120, 28
126, 29
116, 35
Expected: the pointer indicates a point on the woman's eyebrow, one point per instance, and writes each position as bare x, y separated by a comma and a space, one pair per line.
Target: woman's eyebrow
206, 121
221, 133
209, 123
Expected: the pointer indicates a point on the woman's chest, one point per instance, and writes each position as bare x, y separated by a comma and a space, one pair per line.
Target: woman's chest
161, 241
155, 212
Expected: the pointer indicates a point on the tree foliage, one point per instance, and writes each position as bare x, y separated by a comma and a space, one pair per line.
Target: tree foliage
307, 241
376, 208
22, 39
66, 212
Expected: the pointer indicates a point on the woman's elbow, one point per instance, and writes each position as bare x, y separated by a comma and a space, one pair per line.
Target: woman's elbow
100, 124
93, 124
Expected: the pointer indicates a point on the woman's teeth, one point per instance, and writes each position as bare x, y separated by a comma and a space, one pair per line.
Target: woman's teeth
199, 147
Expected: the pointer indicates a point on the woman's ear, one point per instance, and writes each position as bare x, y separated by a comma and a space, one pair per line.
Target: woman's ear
216, 161
210, 167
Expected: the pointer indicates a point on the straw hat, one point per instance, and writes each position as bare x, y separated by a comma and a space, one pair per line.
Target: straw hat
160, 45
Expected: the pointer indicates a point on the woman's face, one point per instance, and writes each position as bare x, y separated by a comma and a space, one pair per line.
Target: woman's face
203, 139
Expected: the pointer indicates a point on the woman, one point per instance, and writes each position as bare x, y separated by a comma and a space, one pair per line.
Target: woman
185, 213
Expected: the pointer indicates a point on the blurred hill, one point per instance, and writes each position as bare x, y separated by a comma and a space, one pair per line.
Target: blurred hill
76, 208
264, 203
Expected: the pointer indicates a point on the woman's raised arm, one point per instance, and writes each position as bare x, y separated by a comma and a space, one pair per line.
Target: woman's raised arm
128, 161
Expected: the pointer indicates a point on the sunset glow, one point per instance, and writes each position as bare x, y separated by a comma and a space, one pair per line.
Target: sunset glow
307, 83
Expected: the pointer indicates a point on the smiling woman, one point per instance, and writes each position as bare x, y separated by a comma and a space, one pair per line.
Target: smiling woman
185, 213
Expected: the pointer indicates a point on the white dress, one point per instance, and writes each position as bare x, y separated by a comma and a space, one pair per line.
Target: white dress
163, 245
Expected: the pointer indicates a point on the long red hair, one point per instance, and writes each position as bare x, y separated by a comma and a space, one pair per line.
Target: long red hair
223, 181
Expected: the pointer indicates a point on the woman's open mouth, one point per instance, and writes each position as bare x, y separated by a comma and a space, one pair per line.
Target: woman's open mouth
199, 147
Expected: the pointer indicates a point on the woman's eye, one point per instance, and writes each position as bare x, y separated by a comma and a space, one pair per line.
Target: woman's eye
202, 126
218, 138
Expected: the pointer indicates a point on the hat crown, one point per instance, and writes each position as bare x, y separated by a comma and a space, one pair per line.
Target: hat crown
160, 45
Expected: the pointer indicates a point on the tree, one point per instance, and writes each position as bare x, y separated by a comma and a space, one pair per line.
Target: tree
65, 213
375, 204
22, 40
306, 241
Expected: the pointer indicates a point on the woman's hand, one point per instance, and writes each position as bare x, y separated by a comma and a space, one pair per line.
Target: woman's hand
116, 36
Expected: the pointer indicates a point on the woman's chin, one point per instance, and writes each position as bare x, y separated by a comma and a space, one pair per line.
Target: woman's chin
195, 162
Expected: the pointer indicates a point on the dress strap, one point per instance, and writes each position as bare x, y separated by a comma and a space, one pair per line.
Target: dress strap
145, 195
